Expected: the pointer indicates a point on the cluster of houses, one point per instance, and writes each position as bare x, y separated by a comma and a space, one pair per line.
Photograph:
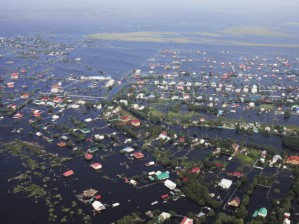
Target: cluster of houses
164, 216
228, 86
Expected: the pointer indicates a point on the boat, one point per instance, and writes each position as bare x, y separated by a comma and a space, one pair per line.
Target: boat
154, 203
164, 196
115, 204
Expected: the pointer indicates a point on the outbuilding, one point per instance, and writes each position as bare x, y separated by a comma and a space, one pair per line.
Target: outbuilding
225, 183
68, 173
98, 206
170, 184
96, 166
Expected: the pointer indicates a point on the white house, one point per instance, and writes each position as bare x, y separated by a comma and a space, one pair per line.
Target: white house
98, 206
225, 183
170, 184
163, 216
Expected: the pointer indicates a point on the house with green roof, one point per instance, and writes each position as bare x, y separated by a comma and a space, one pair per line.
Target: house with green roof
85, 130
260, 212
93, 149
163, 176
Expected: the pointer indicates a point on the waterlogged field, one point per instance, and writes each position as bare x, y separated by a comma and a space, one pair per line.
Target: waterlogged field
230, 36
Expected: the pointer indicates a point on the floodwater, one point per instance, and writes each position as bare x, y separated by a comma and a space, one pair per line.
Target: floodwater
116, 59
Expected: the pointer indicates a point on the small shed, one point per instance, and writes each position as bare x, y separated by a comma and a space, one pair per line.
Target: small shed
98, 206
127, 150
138, 155
90, 192
163, 216
96, 166
186, 220
68, 173
88, 156
135, 122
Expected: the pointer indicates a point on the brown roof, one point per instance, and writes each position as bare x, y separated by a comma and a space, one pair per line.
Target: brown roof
235, 201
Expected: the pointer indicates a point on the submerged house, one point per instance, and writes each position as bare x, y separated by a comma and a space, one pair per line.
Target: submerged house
225, 183
195, 170
293, 160
163, 216
88, 156
234, 202
93, 149
170, 184
68, 173
98, 206
96, 166
85, 130
260, 212
162, 176
135, 122
186, 220
138, 155
127, 150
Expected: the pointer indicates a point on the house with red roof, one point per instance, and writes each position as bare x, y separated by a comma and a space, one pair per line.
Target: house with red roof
61, 144
13, 106
164, 196
293, 160
182, 140
195, 170
36, 113
25, 96
57, 100
55, 86
180, 87
135, 122
185, 179
18, 115
236, 174
44, 99
68, 173
186, 220
10, 85
138, 155
96, 166
242, 66
125, 119
88, 156
14, 75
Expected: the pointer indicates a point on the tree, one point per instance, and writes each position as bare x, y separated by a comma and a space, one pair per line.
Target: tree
287, 114
245, 200
291, 142
242, 212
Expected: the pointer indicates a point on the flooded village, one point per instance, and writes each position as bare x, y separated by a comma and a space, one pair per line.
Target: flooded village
186, 136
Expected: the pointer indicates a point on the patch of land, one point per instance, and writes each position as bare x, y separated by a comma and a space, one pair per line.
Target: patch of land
252, 30
208, 34
292, 23
159, 37
203, 37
